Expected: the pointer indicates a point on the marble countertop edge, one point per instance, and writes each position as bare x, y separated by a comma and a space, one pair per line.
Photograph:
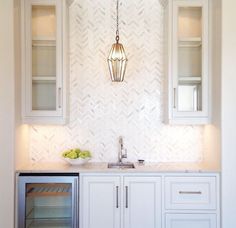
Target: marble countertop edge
101, 167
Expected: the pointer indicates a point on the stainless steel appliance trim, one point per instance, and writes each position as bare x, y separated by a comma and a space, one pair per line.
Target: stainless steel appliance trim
24, 180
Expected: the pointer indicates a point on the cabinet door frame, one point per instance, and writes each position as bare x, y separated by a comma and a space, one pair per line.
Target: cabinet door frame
84, 199
187, 117
59, 115
127, 194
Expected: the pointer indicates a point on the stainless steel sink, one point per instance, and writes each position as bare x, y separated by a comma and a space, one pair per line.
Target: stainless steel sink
121, 166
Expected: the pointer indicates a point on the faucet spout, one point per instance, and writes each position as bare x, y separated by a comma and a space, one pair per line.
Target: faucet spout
121, 150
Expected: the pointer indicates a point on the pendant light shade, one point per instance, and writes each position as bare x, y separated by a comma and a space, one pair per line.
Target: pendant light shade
117, 62
117, 59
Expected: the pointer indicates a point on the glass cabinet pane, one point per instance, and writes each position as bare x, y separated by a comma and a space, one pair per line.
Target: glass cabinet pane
43, 57
48, 205
189, 59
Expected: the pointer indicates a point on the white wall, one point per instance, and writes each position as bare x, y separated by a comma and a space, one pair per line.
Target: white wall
21, 131
6, 115
228, 113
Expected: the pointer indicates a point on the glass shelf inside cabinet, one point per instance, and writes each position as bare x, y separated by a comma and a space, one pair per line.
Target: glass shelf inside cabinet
190, 42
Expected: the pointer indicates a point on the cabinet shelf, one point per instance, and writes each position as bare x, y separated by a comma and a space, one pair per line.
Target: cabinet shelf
190, 42
196, 79
44, 43
49, 213
44, 78
43, 38
58, 223
48, 190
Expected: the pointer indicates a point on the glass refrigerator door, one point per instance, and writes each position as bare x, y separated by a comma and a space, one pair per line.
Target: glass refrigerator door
48, 203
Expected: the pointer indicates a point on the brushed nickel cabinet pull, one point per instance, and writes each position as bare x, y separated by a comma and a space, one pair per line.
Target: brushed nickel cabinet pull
117, 196
126, 196
59, 97
190, 193
174, 98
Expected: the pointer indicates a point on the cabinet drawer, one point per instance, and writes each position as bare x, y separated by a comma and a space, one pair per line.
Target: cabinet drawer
190, 220
190, 193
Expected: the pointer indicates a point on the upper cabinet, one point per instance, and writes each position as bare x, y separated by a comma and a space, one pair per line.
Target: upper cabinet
44, 61
188, 62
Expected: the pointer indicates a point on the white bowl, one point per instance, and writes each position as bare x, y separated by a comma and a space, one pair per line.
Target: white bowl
77, 161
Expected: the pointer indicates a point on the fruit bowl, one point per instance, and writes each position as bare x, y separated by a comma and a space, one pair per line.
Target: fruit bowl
76, 156
77, 161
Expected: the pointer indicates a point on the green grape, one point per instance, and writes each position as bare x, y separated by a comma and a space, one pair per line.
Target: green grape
76, 153
85, 154
72, 155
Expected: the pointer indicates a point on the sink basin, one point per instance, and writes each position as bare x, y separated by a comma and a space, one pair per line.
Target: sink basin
121, 166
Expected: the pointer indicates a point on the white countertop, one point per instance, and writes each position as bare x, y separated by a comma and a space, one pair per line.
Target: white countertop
102, 168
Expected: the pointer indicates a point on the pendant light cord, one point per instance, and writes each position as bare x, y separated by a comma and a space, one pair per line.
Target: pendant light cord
117, 22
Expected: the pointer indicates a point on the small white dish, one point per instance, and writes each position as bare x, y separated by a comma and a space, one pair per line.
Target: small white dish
77, 161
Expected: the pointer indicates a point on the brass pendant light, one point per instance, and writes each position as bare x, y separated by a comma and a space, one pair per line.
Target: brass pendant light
117, 59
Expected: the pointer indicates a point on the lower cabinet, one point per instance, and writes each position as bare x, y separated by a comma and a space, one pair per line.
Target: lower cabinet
191, 221
142, 199
100, 202
139, 200
120, 201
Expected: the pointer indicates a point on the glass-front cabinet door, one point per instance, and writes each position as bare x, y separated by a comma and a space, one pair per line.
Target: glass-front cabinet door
43, 66
44, 56
48, 202
190, 76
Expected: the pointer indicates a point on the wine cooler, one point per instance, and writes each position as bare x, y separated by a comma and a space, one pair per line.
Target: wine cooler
48, 200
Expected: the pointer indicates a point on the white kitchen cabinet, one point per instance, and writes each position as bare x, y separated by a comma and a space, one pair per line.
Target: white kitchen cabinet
142, 202
190, 221
153, 200
192, 201
187, 57
100, 202
120, 201
44, 61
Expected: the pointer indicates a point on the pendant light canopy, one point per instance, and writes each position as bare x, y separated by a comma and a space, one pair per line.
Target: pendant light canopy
117, 59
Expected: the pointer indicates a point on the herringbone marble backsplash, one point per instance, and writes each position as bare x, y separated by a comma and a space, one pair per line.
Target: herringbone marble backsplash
100, 110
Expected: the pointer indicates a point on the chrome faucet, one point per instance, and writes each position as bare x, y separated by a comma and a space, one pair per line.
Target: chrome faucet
122, 153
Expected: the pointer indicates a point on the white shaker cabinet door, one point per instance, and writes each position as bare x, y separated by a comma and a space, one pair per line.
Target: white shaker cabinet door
142, 202
100, 202
191, 221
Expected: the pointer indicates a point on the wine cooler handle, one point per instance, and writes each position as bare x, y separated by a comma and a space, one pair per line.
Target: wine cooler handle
75, 206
